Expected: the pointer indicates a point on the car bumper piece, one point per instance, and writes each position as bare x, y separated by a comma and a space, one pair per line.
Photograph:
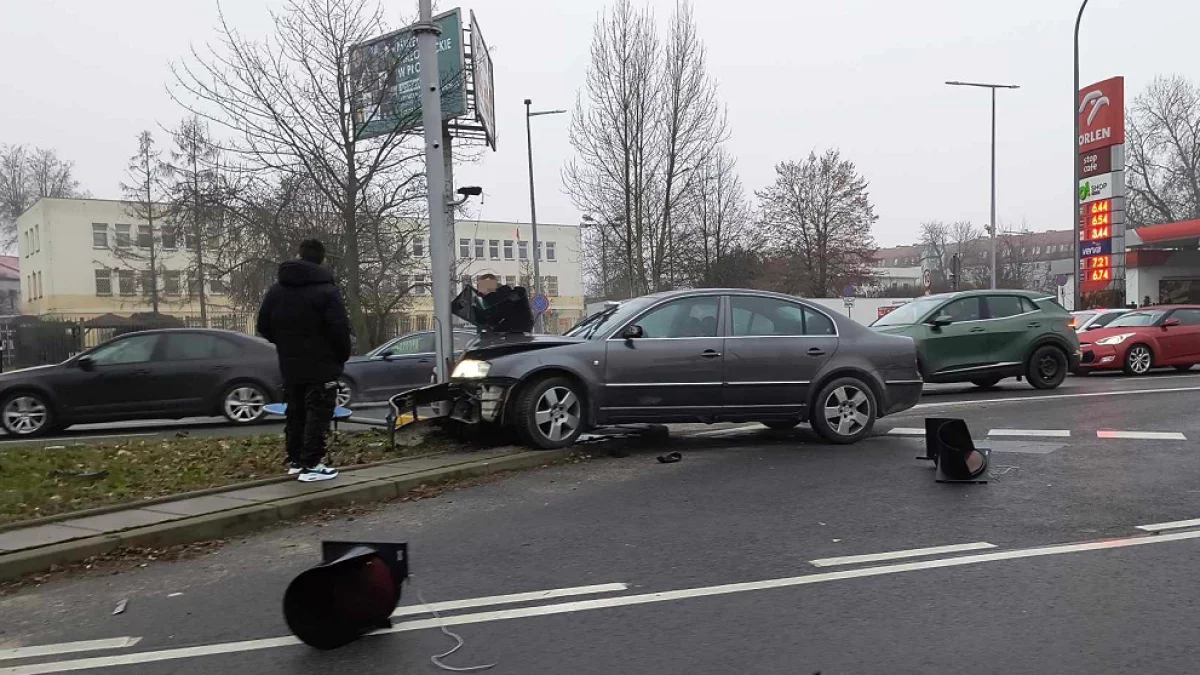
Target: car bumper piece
1099, 357
901, 395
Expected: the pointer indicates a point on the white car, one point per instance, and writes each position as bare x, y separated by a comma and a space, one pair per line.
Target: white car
1091, 319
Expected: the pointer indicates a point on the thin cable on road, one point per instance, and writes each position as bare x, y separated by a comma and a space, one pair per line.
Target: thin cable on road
437, 658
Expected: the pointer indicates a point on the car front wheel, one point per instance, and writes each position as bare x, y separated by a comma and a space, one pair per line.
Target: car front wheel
345, 393
244, 403
845, 411
26, 414
1047, 368
549, 413
1139, 360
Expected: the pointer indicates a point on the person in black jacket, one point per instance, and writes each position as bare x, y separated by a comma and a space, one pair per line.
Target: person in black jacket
304, 317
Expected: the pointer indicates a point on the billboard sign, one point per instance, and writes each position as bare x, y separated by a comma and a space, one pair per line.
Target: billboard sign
1103, 186
386, 75
1095, 162
485, 97
1102, 115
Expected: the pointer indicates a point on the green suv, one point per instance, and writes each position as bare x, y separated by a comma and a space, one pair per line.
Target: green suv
985, 336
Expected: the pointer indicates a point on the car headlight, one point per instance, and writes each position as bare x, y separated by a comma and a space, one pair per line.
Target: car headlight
470, 369
1115, 339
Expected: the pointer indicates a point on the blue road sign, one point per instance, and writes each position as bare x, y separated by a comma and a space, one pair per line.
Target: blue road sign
540, 304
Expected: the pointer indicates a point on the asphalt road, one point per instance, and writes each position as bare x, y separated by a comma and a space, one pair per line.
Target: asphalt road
748, 507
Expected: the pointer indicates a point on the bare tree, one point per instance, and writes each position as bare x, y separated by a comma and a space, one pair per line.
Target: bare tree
935, 245
819, 214
144, 203
1163, 153
25, 177
288, 102
720, 231
1016, 267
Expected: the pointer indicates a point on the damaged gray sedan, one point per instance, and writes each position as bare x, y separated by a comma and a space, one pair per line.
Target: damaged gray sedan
712, 355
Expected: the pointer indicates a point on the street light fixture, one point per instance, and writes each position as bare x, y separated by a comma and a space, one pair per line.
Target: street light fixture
537, 276
993, 87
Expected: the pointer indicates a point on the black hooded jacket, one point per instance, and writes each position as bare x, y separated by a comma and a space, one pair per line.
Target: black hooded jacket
303, 315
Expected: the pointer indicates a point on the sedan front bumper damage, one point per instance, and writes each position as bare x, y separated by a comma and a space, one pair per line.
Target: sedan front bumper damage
469, 402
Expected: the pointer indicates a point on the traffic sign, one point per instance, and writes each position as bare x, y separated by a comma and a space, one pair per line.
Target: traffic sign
540, 304
848, 300
927, 281
848, 290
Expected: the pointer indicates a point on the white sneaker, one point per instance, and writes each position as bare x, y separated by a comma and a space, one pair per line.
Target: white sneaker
318, 472
294, 469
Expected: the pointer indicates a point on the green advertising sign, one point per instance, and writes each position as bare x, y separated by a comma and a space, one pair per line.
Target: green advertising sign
386, 75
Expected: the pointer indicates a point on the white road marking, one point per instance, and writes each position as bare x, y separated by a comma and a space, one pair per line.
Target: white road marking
896, 555
987, 401
67, 648
70, 439
1142, 435
1057, 433
906, 431
604, 603
512, 598
1171, 525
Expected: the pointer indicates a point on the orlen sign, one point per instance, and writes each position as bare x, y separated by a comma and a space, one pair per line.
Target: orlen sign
1102, 114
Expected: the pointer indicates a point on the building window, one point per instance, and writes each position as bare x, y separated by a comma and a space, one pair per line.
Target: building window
551, 284
418, 247
189, 240
99, 236
170, 237
37, 238
464, 248
145, 236
148, 283
419, 284
479, 249
508, 249
523, 250
193, 283
123, 240
127, 282
494, 248
216, 286
550, 252
172, 283
510, 280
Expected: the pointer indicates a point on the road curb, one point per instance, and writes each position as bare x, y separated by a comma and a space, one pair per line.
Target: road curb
245, 519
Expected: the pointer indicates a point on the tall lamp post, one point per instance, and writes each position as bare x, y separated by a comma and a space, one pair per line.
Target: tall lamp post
537, 273
1076, 294
992, 226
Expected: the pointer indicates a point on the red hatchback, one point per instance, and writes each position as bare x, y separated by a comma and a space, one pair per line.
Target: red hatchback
1153, 337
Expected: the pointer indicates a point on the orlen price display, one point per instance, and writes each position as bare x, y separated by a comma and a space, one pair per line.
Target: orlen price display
1097, 268
1095, 220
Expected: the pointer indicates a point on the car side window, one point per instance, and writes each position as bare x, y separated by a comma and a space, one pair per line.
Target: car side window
1001, 306
1105, 319
964, 309
816, 323
1187, 317
409, 345
427, 343
684, 318
197, 346
765, 317
136, 349
1029, 305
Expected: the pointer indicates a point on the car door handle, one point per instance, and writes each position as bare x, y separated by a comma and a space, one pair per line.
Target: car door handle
141, 372
816, 352
710, 353
978, 330
1034, 325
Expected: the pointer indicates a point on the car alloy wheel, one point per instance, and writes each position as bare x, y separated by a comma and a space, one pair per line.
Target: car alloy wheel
557, 413
345, 393
244, 404
1139, 360
25, 415
847, 410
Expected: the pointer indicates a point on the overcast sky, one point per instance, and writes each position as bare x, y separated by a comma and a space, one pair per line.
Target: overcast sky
85, 76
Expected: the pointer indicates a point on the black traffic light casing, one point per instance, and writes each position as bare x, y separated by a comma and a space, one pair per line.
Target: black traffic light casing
948, 443
353, 592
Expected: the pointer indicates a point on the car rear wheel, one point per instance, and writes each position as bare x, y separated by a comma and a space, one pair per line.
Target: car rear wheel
1047, 368
1138, 360
986, 382
244, 403
549, 413
27, 415
345, 393
845, 411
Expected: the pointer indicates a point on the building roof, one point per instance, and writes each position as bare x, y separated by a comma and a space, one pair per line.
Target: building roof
1167, 232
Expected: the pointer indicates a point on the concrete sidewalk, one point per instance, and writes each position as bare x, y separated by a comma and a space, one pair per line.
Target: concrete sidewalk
217, 515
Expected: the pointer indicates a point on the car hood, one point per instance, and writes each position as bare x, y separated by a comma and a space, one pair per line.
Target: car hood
25, 372
491, 346
1092, 335
892, 330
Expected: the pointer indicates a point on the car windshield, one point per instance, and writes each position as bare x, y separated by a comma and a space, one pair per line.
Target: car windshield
1082, 318
907, 315
1137, 319
598, 323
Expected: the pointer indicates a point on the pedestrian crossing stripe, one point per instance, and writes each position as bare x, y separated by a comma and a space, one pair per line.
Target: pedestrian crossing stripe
1107, 434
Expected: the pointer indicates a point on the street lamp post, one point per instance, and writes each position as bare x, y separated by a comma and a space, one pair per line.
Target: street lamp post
993, 87
537, 274
1076, 294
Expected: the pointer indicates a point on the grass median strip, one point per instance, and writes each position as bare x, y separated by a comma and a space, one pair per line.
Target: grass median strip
37, 482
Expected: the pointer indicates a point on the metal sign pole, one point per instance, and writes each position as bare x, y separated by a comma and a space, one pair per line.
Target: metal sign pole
435, 178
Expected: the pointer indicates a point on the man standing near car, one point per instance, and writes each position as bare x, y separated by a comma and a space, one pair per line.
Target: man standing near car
304, 317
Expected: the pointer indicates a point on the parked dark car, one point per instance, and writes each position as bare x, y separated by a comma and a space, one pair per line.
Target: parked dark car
158, 374
686, 356
397, 365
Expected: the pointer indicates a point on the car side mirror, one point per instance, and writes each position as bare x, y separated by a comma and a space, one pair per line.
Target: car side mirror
1170, 322
940, 320
85, 363
632, 332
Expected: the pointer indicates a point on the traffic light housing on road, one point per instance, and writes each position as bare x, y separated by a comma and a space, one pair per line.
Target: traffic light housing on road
948, 443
